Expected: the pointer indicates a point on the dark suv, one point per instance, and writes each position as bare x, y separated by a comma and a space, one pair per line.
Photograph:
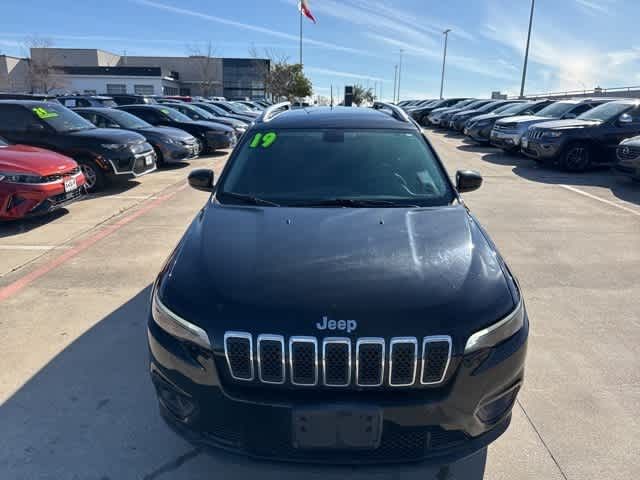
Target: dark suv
592, 138
74, 101
421, 115
335, 300
101, 152
210, 136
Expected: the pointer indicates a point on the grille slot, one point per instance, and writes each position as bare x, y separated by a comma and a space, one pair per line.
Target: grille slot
336, 362
436, 354
370, 362
238, 348
271, 368
626, 152
403, 359
303, 360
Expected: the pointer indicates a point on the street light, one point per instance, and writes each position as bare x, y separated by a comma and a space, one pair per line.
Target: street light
400, 73
444, 59
395, 83
526, 53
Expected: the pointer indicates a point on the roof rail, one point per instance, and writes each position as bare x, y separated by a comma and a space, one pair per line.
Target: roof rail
270, 112
396, 112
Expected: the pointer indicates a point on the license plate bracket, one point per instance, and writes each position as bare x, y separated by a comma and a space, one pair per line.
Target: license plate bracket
70, 185
342, 427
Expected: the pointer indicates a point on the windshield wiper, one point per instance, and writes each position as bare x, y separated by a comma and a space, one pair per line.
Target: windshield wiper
250, 199
353, 203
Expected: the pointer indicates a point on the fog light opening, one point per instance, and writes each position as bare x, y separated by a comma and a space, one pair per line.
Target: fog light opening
176, 402
495, 409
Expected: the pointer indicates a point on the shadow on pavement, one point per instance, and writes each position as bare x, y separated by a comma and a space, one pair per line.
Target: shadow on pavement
622, 187
91, 413
17, 227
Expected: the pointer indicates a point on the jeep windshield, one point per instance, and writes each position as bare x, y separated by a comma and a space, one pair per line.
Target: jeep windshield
606, 111
556, 110
354, 168
61, 119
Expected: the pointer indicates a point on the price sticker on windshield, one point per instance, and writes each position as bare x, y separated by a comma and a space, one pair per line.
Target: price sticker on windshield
263, 140
43, 113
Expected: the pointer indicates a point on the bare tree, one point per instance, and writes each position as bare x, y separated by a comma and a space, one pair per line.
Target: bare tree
44, 74
207, 68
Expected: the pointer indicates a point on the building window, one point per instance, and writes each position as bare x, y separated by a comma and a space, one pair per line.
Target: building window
116, 88
143, 89
90, 92
185, 92
172, 91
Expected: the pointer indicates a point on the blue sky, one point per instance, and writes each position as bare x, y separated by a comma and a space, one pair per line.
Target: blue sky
576, 44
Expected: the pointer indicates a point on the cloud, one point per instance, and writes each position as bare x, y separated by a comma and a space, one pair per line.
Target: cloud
250, 27
596, 7
336, 73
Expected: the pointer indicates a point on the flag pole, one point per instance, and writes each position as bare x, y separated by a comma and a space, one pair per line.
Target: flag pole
300, 37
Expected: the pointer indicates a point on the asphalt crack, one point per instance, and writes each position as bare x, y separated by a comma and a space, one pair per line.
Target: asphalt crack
544, 444
173, 465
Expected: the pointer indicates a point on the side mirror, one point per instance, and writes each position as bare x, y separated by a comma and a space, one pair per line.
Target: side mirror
201, 179
625, 119
468, 180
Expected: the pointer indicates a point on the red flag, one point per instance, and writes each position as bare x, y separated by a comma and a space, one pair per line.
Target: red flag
303, 6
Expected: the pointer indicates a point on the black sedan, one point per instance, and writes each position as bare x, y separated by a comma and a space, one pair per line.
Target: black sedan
209, 136
218, 112
194, 112
170, 144
629, 158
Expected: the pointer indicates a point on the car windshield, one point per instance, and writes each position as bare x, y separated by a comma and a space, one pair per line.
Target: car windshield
126, 120
514, 109
556, 110
173, 114
60, 118
240, 107
213, 109
108, 103
309, 167
194, 112
605, 112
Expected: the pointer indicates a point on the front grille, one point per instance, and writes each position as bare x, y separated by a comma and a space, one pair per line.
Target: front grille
332, 362
626, 152
65, 197
506, 128
535, 134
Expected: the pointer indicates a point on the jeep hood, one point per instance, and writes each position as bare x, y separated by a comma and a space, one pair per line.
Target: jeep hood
569, 124
395, 271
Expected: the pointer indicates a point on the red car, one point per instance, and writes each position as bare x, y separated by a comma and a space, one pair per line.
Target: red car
34, 181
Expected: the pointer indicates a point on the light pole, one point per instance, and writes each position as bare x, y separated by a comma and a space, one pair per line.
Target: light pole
400, 73
444, 59
526, 53
395, 83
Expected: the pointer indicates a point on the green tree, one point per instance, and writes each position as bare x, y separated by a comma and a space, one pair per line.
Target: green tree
362, 95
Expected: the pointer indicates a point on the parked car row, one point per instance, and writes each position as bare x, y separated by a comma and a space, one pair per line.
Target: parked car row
574, 134
51, 154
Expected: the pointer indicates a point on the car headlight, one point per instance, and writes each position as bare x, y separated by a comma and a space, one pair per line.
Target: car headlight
498, 332
552, 134
173, 141
113, 146
20, 178
177, 326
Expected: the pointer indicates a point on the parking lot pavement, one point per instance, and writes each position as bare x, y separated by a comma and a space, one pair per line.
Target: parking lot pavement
76, 401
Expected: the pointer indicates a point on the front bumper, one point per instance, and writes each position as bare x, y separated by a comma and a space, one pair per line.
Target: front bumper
479, 134
506, 141
459, 123
423, 425
215, 141
541, 149
178, 153
628, 166
29, 200
125, 162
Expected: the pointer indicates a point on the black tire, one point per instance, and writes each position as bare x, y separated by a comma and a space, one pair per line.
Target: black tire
159, 158
424, 120
576, 157
94, 175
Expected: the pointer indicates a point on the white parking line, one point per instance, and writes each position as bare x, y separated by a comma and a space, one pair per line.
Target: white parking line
34, 247
608, 202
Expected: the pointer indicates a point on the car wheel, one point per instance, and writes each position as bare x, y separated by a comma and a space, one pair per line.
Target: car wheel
93, 175
424, 120
159, 157
576, 158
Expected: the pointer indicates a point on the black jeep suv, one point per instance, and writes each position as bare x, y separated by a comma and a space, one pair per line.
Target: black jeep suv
209, 136
591, 138
102, 153
335, 300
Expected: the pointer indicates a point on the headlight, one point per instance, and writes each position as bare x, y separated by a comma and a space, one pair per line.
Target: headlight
20, 178
173, 141
113, 146
498, 332
176, 326
552, 134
